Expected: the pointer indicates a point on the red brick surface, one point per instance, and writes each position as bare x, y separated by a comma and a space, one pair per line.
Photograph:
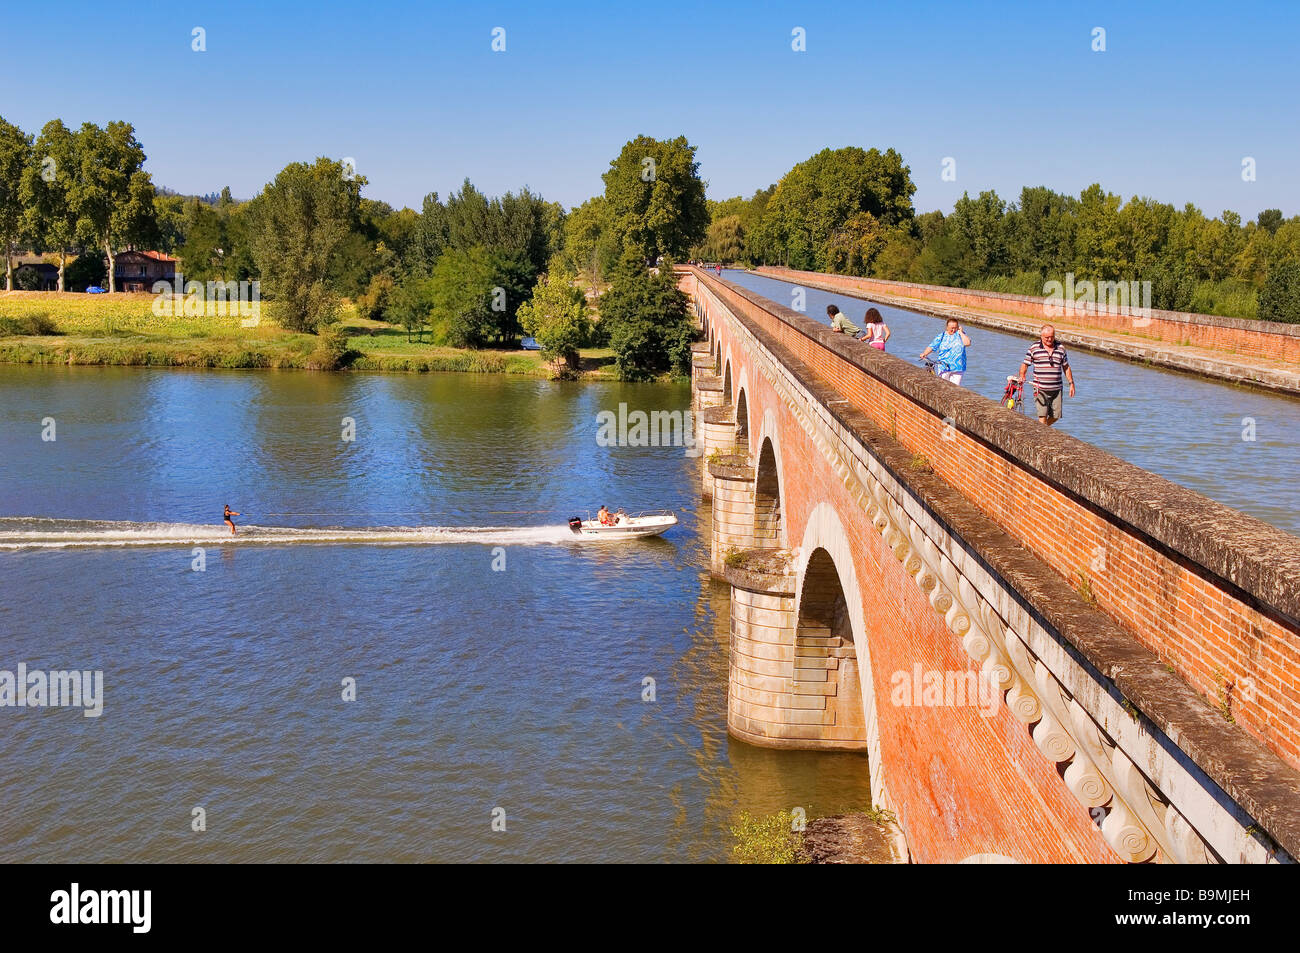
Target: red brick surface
964, 783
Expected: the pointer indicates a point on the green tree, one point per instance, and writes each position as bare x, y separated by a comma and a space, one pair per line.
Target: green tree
89, 268
947, 259
898, 260
237, 255
1269, 219
1144, 233
15, 160
820, 194
589, 244
203, 252
112, 194
169, 217
655, 198
364, 252
378, 297
980, 224
556, 315
725, 240
461, 292
297, 225
411, 305
1097, 252
1040, 234
646, 316
1279, 299
853, 247
428, 237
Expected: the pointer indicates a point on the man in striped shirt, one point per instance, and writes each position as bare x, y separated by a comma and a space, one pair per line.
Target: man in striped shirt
1050, 363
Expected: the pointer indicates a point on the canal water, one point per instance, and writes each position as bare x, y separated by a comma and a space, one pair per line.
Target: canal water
1235, 445
502, 676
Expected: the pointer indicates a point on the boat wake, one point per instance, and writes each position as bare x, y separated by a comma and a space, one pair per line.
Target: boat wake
42, 533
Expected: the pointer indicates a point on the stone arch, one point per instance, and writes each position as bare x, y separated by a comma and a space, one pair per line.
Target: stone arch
835, 600
769, 486
825, 652
726, 383
768, 528
742, 420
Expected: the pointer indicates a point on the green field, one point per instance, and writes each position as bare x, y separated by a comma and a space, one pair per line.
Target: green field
122, 329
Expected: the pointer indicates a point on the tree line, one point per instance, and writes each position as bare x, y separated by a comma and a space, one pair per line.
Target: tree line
467, 271
850, 211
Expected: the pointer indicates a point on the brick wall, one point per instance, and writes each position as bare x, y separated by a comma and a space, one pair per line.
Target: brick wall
1237, 335
961, 782
1212, 592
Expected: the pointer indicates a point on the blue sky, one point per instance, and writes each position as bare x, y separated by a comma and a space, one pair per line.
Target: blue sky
413, 91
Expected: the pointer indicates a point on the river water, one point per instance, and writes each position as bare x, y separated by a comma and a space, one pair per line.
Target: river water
1235, 445
517, 688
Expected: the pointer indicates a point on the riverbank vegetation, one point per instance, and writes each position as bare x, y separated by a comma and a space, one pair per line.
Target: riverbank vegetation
765, 840
122, 329
849, 211
457, 278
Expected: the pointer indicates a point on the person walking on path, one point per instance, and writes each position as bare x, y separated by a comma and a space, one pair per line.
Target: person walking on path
1050, 363
949, 349
842, 324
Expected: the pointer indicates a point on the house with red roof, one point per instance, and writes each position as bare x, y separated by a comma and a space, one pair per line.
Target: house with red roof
138, 270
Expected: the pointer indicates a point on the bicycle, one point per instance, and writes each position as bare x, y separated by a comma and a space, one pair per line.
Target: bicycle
1013, 395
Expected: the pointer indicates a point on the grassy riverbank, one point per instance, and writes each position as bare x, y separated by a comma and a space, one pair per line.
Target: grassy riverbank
44, 328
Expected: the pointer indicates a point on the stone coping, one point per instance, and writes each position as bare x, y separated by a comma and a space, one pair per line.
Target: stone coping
725, 469
722, 414
713, 382
1252, 775
1182, 317
1246, 553
700, 347
771, 574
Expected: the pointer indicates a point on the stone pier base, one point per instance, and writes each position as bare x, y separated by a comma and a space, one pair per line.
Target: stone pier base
733, 510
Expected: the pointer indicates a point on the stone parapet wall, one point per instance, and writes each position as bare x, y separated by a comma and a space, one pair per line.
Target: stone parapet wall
1267, 339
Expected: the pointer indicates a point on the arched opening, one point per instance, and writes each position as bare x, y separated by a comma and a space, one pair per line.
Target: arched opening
726, 385
717, 355
742, 425
767, 499
825, 656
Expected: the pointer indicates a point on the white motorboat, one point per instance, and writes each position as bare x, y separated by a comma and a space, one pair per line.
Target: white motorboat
650, 523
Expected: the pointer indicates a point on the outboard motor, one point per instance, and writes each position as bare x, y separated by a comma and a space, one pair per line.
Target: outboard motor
575, 524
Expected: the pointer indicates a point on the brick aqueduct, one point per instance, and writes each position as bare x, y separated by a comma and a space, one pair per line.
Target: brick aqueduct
1048, 654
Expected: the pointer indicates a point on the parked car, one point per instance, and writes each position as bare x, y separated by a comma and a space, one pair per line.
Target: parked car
530, 344
96, 290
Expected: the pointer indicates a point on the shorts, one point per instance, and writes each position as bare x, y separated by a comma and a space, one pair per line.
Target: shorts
1049, 403
954, 376
878, 345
